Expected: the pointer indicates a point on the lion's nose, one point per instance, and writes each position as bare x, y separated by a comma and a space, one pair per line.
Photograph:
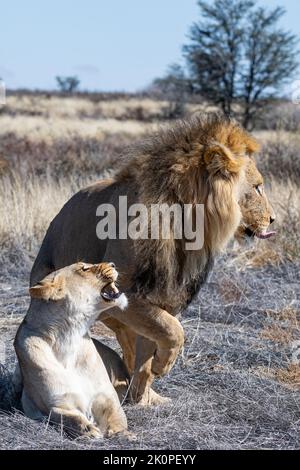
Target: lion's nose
272, 219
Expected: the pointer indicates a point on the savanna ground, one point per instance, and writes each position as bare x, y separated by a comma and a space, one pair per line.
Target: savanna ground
236, 385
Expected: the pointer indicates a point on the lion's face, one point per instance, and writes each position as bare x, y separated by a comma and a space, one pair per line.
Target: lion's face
92, 284
257, 212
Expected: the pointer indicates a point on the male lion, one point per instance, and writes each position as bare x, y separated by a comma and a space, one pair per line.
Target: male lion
63, 375
206, 160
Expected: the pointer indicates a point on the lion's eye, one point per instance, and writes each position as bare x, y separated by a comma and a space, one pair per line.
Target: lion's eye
85, 268
259, 189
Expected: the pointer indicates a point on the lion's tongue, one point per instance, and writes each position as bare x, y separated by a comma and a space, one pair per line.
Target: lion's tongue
264, 235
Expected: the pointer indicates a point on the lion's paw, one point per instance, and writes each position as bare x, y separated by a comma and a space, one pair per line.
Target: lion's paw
153, 399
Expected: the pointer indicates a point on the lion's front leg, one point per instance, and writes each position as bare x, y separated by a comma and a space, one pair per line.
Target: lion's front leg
143, 377
158, 355
126, 338
166, 333
138, 353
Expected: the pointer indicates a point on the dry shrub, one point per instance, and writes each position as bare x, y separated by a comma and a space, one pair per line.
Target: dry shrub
260, 255
282, 326
230, 291
52, 128
282, 116
288, 376
288, 315
27, 205
61, 156
280, 156
285, 197
122, 107
277, 334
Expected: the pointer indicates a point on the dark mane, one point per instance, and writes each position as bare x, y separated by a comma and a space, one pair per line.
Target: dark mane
183, 134
171, 167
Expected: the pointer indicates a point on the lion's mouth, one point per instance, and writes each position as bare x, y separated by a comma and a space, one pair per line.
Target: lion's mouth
265, 234
262, 235
110, 293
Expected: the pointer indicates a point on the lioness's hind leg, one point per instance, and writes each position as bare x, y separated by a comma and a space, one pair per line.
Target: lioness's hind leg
109, 415
29, 407
75, 423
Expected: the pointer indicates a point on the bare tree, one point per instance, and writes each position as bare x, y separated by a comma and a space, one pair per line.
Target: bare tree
238, 54
174, 87
67, 84
271, 59
216, 48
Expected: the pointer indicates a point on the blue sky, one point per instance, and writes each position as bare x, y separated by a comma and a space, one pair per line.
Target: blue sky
109, 44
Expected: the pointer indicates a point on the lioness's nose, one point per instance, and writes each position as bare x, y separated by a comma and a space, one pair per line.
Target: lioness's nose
272, 219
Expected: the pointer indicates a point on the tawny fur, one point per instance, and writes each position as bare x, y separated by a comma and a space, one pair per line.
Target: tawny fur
203, 160
60, 372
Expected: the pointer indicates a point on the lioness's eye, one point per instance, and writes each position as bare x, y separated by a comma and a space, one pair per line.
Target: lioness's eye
259, 189
85, 268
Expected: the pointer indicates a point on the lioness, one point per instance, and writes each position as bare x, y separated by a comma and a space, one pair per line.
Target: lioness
206, 160
62, 372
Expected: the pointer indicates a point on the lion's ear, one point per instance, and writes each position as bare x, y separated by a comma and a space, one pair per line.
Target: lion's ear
219, 159
49, 289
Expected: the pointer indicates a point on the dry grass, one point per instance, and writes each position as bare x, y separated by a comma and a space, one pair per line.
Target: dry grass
61, 157
282, 116
280, 155
72, 108
288, 376
283, 329
236, 384
27, 207
287, 315
48, 129
278, 334
222, 395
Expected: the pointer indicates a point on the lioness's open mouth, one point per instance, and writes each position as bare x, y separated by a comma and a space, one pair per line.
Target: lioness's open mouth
262, 235
110, 293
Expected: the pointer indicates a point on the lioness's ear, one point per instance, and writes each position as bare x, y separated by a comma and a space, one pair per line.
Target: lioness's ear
49, 289
219, 159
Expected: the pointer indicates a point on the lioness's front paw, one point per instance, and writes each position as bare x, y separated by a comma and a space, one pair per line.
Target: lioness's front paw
127, 434
92, 432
